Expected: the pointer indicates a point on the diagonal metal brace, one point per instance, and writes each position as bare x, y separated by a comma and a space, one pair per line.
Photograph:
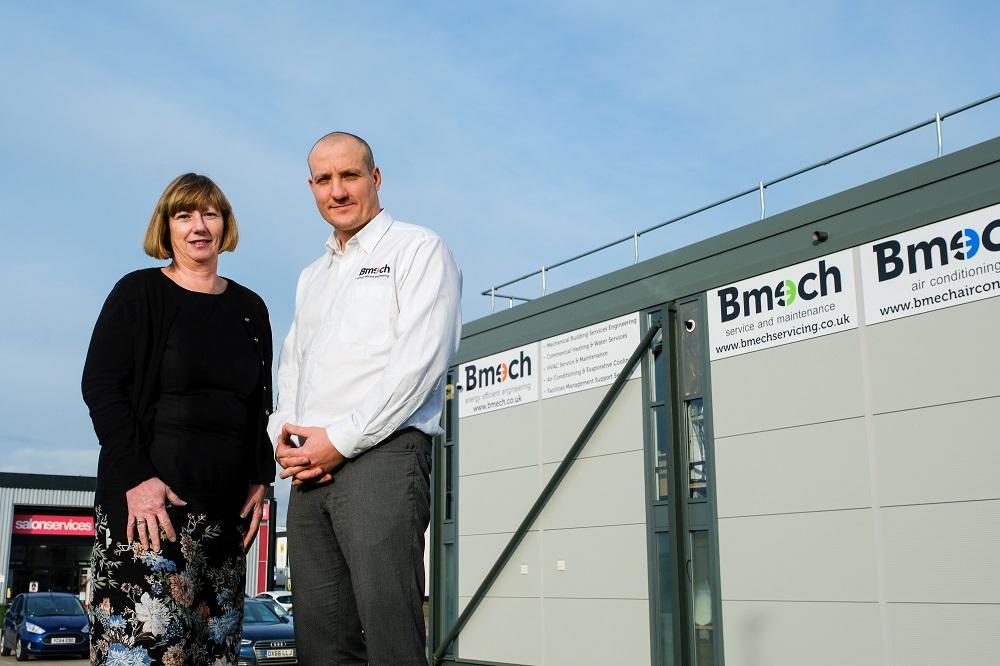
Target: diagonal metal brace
547, 492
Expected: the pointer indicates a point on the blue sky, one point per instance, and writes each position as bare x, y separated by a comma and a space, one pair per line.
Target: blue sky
523, 132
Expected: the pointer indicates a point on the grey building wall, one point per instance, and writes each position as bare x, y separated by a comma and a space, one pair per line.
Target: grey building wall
858, 494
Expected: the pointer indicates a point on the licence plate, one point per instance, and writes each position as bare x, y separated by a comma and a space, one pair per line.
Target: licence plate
278, 654
63, 640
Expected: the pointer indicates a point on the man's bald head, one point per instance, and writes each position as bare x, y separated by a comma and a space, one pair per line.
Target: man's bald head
337, 137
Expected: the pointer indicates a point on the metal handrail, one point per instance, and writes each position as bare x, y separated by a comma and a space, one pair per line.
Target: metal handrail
760, 187
547, 492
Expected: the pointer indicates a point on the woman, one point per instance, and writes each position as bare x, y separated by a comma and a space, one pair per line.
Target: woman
177, 381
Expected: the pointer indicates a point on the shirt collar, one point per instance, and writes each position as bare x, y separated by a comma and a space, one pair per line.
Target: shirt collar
367, 238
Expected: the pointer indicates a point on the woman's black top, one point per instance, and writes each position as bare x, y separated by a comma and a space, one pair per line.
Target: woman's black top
178, 385
201, 417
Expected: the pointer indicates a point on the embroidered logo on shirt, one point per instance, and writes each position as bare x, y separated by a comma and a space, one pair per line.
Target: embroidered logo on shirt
376, 272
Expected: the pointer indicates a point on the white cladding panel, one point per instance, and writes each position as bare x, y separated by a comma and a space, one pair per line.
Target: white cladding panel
944, 553
563, 418
807, 382
823, 556
607, 490
947, 453
769, 633
940, 357
938, 634
477, 554
503, 439
597, 562
596, 632
496, 501
503, 630
806, 468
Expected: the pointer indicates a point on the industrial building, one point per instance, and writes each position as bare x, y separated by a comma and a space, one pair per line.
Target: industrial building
775, 447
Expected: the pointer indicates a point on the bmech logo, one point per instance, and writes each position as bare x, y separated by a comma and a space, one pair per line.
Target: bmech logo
893, 260
483, 377
823, 281
375, 271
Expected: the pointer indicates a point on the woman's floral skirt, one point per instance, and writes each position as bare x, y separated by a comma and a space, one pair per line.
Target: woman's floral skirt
177, 606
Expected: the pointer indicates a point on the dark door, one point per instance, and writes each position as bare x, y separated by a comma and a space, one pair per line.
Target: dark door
684, 595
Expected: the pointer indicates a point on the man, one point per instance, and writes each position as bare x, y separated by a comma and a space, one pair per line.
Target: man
360, 392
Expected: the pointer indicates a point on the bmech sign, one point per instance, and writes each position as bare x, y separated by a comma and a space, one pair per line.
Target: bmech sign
34, 523
507, 379
800, 302
947, 263
588, 357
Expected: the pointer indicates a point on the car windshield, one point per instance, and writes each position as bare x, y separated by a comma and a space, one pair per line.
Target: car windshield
42, 606
258, 613
278, 609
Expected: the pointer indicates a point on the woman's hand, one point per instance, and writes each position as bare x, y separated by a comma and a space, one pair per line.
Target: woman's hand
147, 512
254, 507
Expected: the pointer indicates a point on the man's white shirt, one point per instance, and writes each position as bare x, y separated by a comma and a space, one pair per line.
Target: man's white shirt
375, 327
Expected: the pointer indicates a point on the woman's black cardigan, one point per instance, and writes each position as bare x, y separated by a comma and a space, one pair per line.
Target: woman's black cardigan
121, 377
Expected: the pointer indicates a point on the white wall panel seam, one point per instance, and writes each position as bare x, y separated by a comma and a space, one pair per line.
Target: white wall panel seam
800, 601
944, 603
596, 455
931, 405
509, 532
795, 513
873, 468
789, 427
593, 527
494, 471
542, 481
973, 500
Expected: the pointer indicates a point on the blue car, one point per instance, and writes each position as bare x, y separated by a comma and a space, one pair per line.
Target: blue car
45, 623
268, 639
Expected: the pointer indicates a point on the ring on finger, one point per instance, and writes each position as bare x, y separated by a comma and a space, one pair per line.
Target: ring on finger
140, 521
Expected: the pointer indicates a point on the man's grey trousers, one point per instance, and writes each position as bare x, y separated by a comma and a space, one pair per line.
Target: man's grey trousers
357, 557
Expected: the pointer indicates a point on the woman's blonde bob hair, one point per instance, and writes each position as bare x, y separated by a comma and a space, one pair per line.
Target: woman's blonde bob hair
191, 191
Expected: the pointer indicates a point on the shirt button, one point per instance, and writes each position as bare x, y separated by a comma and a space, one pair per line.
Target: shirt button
267, 412
256, 340
246, 319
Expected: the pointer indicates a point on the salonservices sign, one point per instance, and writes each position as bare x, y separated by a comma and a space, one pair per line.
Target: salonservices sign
800, 302
936, 266
34, 523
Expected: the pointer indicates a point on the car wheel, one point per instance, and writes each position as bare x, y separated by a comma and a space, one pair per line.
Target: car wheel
4, 650
19, 652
